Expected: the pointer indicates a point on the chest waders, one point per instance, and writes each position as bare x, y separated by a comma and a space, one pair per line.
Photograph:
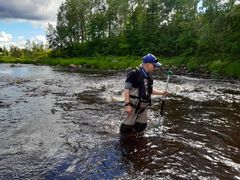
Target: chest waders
144, 91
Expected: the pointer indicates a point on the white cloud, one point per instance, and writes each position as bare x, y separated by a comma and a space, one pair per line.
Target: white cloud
7, 41
37, 12
21, 44
40, 39
5, 37
20, 37
32, 10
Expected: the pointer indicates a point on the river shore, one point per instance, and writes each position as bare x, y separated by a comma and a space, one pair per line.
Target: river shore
179, 65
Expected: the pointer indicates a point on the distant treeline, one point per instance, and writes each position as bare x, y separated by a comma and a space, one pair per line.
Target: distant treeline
206, 28
31, 50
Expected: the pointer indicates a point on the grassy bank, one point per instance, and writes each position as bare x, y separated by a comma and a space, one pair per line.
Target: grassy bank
216, 68
106, 62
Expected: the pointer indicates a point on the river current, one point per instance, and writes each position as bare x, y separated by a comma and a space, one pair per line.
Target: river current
63, 125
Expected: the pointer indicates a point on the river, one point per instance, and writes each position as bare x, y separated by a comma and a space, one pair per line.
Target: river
60, 125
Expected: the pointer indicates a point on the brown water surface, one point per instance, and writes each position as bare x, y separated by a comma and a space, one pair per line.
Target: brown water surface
61, 125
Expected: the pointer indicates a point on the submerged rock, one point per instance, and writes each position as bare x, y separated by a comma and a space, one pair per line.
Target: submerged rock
73, 66
15, 65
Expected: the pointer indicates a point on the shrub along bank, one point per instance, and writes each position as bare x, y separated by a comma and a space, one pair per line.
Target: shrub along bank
181, 65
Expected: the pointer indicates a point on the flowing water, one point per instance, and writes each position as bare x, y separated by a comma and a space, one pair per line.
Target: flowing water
61, 125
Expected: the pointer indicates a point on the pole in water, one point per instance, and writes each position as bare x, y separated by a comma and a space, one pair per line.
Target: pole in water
169, 73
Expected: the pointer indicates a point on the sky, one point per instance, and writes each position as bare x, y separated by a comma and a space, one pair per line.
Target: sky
22, 20
26, 20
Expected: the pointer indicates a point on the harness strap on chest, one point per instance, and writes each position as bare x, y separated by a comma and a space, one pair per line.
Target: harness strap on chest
144, 94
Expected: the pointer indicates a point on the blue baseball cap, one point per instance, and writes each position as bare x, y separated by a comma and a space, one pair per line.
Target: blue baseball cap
150, 58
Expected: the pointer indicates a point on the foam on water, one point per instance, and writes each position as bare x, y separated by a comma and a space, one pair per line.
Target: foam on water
60, 125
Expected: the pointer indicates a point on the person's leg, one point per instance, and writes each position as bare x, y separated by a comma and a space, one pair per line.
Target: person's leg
141, 122
124, 128
140, 127
127, 133
128, 122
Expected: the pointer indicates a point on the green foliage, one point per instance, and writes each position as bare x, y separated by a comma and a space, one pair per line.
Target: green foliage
175, 61
180, 31
232, 69
167, 28
192, 65
15, 51
227, 68
217, 67
106, 62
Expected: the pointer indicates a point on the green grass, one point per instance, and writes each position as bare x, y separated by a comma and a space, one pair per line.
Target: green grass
193, 64
219, 67
100, 62
232, 69
107, 62
173, 61
7, 59
225, 67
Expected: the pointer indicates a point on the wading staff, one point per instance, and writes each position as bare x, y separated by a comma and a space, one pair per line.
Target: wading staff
169, 73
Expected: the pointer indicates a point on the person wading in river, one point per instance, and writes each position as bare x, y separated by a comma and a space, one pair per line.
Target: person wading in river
137, 93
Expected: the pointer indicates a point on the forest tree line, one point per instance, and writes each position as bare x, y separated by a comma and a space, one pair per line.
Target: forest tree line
31, 50
135, 27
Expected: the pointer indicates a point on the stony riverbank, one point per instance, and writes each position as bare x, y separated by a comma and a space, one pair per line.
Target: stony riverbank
180, 66
181, 70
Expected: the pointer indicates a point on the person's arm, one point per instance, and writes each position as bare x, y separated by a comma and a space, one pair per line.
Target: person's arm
126, 96
161, 93
131, 79
127, 101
